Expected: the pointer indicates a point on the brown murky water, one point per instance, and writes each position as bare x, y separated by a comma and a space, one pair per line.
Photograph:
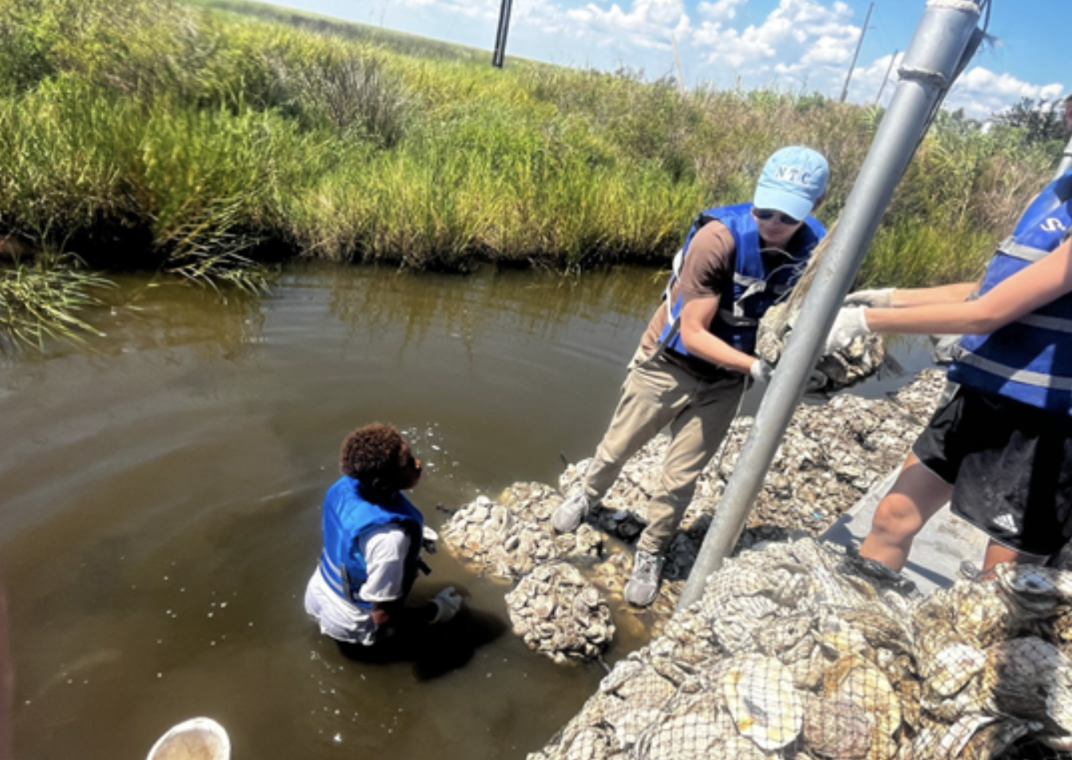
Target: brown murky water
159, 505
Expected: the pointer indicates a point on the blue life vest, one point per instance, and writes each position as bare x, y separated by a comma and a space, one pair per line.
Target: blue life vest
755, 286
1029, 360
346, 517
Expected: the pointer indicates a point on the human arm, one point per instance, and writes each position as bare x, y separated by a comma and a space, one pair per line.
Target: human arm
385, 553
707, 272
696, 316
901, 298
1034, 286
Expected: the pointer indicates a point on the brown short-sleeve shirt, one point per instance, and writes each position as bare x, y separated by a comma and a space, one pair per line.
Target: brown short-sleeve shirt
708, 268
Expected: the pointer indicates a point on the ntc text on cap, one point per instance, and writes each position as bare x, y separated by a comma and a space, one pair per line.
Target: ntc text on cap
793, 181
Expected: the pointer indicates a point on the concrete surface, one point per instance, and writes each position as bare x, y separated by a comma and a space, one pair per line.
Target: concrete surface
938, 550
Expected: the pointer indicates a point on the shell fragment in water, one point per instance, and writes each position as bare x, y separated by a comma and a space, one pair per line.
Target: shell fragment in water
194, 739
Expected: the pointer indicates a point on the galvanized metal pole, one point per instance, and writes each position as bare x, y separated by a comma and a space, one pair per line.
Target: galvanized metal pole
500, 35
931, 62
1066, 160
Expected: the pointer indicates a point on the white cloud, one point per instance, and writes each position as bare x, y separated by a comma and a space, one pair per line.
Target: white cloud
982, 93
800, 40
720, 10
648, 23
482, 9
801, 45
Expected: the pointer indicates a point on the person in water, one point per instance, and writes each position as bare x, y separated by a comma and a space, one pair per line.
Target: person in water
697, 355
372, 540
1001, 448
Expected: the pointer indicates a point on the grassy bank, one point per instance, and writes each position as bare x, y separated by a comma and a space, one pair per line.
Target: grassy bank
210, 141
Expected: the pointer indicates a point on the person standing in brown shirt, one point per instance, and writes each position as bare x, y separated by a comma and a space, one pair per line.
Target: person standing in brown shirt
697, 354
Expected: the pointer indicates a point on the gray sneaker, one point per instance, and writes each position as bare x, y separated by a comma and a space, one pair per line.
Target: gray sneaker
573, 509
643, 584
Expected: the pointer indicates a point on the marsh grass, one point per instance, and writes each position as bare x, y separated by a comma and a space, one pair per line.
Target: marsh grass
40, 301
199, 139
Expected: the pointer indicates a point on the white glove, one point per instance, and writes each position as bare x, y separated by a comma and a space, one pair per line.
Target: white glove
872, 299
761, 371
428, 540
447, 602
849, 325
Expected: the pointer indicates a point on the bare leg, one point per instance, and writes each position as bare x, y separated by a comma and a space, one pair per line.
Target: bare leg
996, 554
914, 499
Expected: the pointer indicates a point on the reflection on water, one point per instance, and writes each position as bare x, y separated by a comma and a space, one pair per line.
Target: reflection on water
159, 504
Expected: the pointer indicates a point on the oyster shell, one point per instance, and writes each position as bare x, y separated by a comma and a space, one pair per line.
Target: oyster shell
1023, 674
951, 668
694, 728
857, 680
838, 729
765, 705
491, 540
558, 613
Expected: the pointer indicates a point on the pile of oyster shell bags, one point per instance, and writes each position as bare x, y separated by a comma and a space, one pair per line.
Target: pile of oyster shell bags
552, 607
802, 650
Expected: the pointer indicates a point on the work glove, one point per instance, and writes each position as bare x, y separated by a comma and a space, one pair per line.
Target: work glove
447, 602
872, 299
428, 540
849, 325
760, 372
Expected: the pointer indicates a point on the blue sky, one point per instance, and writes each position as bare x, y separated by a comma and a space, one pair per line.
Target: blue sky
794, 45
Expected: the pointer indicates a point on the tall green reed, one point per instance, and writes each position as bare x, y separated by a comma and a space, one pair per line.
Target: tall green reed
208, 138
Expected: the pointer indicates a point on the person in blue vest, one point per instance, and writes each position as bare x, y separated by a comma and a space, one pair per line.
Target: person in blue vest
1000, 450
697, 355
372, 541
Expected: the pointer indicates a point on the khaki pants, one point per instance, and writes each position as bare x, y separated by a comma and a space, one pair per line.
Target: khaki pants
657, 393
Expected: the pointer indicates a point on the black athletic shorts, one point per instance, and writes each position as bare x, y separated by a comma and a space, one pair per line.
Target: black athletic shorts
1010, 465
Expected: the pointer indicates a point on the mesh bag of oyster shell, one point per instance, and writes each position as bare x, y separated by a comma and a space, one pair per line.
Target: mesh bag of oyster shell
536, 502
842, 369
490, 539
802, 650
557, 613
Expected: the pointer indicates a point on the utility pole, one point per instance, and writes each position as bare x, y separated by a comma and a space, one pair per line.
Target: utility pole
887, 77
500, 35
677, 65
859, 44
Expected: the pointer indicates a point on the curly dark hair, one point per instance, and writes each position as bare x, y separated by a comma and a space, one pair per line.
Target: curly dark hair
373, 455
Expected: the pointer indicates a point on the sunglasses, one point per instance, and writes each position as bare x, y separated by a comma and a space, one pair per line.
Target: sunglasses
766, 213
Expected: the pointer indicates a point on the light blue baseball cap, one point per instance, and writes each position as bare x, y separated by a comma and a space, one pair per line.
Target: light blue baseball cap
793, 181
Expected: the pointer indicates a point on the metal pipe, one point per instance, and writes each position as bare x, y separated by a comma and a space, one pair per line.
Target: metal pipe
931, 62
1066, 160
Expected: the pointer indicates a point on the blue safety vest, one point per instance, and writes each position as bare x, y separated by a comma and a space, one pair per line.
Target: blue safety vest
346, 517
1029, 360
756, 286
